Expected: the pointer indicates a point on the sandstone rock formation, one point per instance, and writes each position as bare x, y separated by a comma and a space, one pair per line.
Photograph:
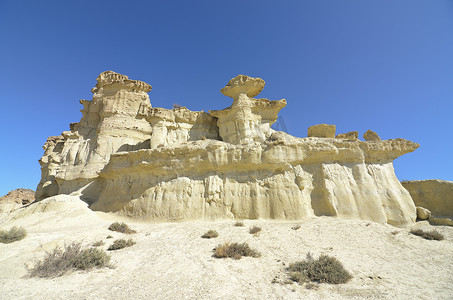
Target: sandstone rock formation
127, 157
371, 136
322, 130
353, 135
423, 213
15, 199
434, 195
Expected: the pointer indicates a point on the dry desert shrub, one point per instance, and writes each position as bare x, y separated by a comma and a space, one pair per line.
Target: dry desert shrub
235, 251
325, 269
210, 234
239, 224
72, 257
12, 235
255, 230
429, 235
120, 244
98, 243
121, 227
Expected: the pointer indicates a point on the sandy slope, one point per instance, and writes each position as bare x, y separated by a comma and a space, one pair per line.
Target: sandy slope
171, 261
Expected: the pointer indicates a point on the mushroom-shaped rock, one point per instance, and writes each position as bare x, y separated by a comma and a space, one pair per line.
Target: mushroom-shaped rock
322, 131
353, 135
371, 136
243, 84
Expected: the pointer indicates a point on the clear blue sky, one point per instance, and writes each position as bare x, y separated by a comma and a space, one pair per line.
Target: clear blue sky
383, 65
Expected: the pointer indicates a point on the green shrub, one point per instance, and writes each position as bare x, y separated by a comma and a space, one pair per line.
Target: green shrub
239, 224
255, 230
325, 269
429, 235
73, 257
12, 235
121, 227
210, 234
235, 251
120, 244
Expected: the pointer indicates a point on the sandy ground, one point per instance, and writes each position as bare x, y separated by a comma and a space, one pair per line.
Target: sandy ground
172, 261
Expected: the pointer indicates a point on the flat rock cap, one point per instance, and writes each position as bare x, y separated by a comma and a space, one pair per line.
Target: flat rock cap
243, 84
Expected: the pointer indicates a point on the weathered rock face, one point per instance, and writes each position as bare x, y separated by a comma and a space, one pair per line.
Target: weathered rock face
353, 135
322, 130
178, 164
15, 199
435, 195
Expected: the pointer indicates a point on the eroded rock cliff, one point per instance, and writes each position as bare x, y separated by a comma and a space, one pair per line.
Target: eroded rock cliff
158, 164
435, 195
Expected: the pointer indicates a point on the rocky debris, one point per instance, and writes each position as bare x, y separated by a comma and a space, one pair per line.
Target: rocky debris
127, 157
434, 195
353, 135
16, 199
423, 213
371, 136
322, 131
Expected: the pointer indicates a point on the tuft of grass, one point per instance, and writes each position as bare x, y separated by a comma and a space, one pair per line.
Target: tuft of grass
210, 234
239, 224
120, 244
98, 243
295, 227
429, 235
325, 269
235, 251
12, 235
109, 237
255, 230
121, 227
72, 257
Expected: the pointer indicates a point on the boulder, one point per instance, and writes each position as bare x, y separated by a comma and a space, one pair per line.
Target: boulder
353, 135
128, 157
423, 213
371, 136
322, 131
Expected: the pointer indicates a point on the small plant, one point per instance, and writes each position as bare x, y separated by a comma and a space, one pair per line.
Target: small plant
121, 227
239, 224
235, 251
12, 235
325, 269
73, 257
255, 230
109, 237
120, 244
98, 243
429, 235
210, 234
295, 227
